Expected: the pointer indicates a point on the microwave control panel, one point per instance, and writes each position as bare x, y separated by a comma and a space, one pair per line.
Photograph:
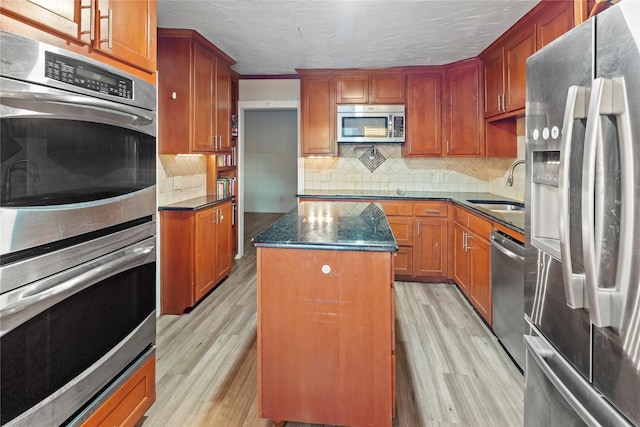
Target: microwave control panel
398, 126
80, 74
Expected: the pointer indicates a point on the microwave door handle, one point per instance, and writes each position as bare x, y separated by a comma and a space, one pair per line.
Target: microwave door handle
26, 99
609, 97
575, 109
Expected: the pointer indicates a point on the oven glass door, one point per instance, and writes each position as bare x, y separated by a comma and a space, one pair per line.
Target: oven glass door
41, 356
49, 162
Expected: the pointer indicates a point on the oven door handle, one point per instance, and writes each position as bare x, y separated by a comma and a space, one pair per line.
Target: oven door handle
22, 304
76, 103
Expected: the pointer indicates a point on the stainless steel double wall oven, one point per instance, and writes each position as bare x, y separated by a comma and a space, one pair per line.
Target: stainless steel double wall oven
77, 236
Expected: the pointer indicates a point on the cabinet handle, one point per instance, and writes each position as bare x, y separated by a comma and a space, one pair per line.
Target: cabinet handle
418, 228
447, 146
464, 241
504, 102
436, 211
499, 103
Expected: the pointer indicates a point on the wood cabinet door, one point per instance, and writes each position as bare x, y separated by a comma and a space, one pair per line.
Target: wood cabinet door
493, 64
430, 247
205, 274
403, 261
223, 106
402, 229
460, 258
174, 95
203, 97
424, 116
480, 275
223, 243
388, 88
64, 17
516, 51
352, 89
463, 131
318, 117
556, 20
126, 30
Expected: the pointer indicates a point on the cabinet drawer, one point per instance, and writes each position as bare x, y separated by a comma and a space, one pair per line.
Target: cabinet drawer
479, 226
402, 229
461, 216
438, 209
397, 208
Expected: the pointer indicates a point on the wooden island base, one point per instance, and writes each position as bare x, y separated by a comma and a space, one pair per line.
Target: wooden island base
325, 336
326, 345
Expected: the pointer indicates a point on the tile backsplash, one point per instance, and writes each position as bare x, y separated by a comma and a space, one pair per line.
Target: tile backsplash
347, 172
180, 178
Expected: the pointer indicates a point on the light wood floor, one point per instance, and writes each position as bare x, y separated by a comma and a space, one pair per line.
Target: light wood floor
451, 371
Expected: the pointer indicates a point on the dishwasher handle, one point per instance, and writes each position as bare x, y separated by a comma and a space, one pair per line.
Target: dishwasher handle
507, 246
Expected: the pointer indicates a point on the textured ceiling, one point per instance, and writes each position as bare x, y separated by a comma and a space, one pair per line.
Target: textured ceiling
276, 37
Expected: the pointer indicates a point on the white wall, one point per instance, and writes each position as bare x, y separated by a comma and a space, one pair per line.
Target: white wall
270, 166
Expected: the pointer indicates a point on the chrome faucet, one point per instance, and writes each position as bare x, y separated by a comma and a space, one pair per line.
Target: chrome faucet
511, 168
7, 176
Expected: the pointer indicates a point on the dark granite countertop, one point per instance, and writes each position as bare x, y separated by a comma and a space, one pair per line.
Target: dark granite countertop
347, 226
513, 220
195, 204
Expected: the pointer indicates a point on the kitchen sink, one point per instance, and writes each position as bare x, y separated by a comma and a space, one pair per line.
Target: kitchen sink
500, 206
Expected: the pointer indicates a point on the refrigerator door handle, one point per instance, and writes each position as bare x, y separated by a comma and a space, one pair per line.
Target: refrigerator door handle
574, 282
609, 97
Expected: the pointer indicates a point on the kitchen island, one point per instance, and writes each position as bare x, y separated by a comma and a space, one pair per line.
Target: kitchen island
326, 345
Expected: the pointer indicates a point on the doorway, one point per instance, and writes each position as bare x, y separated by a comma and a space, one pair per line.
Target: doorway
270, 152
270, 170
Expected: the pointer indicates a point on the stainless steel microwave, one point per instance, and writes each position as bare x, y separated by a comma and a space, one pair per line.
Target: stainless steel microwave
370, 124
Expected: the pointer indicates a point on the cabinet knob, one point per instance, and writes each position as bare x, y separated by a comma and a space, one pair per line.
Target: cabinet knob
174, 95
326, 269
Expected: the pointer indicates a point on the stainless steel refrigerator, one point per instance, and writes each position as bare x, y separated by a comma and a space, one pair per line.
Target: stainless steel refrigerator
582, 257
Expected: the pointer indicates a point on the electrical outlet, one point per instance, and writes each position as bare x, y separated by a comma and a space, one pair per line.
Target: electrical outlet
438, 177
325, 176
177, 182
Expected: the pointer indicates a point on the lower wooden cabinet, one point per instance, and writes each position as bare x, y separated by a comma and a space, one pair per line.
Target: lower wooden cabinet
421, 230
196, 254
129, 403
472, 260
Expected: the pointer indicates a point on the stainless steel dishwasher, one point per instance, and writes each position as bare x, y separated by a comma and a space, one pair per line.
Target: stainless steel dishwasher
507, 293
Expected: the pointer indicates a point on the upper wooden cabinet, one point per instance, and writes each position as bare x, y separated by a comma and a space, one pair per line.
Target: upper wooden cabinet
318, 111
370, 88
505, 73
423, 115
462, 108
194, 94
505, 60
554, 21
122, 29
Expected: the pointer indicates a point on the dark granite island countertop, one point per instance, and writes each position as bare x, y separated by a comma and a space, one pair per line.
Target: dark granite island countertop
348, 226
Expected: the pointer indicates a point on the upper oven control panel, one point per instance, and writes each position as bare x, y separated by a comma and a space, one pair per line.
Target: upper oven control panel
78, 73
